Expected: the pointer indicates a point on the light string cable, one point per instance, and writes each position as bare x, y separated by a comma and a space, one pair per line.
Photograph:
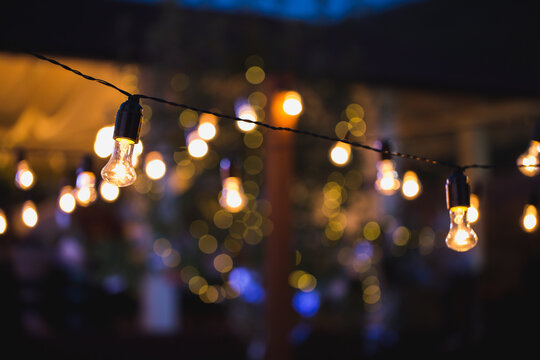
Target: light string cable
272, 127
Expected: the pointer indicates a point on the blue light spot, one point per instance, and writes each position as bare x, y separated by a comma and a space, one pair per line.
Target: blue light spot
306, 303
364, 249
300, 333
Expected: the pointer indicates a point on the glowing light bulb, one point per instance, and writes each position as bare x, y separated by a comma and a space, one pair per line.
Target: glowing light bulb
119, 170
85, 190
473, 212
232, 196
411, 187
340, 154
387, 182
108, 191
104, 143
66, 200
24, 178
29, 214
155, 167
529, 219
461, 236
3, 222
207, 127
245, 111
292, 103
529, 161
196, 147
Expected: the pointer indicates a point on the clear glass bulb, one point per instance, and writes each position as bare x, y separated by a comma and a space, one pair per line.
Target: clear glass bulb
119, 171
232, 195
387, 178
529, 219
530, 159
461, 236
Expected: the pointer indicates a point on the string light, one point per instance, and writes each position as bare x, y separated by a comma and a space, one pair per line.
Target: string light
473, 213
108, 191
197, 147
292, 103
24, 177
245, 111
104, 143
3, 222
66, 200
137, 151
340, 154
207, 129
85, 188
461, 236
119, 171
529, 161
529, 219
155, 167
232, 197
29, 214
387, 182
411, 187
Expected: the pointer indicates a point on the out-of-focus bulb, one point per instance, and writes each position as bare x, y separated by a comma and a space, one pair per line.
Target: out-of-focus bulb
85, 190
530, 159
461, 236
529, 219
340, 154
29, 214
3, 222
207, 128
473, 213
155, 166
232, 197
137, 151
411, 187
66, 200
108, 191
245, 111
119, 171
292, 103
24, 178
387, 182
196, 146
104, 143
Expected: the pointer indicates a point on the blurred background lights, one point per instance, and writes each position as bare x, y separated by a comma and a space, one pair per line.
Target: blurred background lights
529, 161
306, 303
340, 154
29, 214
155, 166
66, 200
85, 191
255, 75
104, 143
244, 110
529, 220
223, 263
137, 151
292, 103
232, 197
411, 187
196, 146
473, 213
207, 129
24, 178
387, 178
109, 192
3, 222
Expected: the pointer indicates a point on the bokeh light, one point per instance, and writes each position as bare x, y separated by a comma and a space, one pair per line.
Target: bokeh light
66, 200
340, 154
244, 110
155, 166
529, 220
3, 222
306, 303
196, 146
24, 178
104, 142
292, 103
411, 187
255, 75
473, 212
109, 192
207, 128
223, 263
29, 214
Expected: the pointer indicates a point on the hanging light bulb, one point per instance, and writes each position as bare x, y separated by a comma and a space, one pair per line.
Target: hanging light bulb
66, 200
529, 161
155, 166
24, 177
29, 214
85, 188
196, 146
207, 128
119, 170
292, 103
411, 187
245, 111
232, 197
3, 222
387, 182
108, 191
461, 236
529, 219
340, 154
473, 213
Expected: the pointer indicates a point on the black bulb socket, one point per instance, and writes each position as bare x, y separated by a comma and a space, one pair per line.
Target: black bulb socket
458, 192
385, 153
128, 120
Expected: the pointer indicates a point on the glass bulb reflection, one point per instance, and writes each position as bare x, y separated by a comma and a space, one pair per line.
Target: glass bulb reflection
461, 236
3, 222
411, 187
387, 182
119, 171
530, 159
24, 178
232, 197
66, 200
340, 154
529, 219
29, 214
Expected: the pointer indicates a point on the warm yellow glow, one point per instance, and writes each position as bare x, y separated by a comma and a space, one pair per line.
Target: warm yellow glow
3, 222
387, 182
155, 166
119, 170
104, 143
108, 192
340, 154
529, 220
255, 75
223, 263
85, 191
473, 213
246, 111
197, 147
29, 214
530, 159
24, 178
137, 151
307, 282
207, 127
411, 186
232, 197
460, 237
66, 200
292, 103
